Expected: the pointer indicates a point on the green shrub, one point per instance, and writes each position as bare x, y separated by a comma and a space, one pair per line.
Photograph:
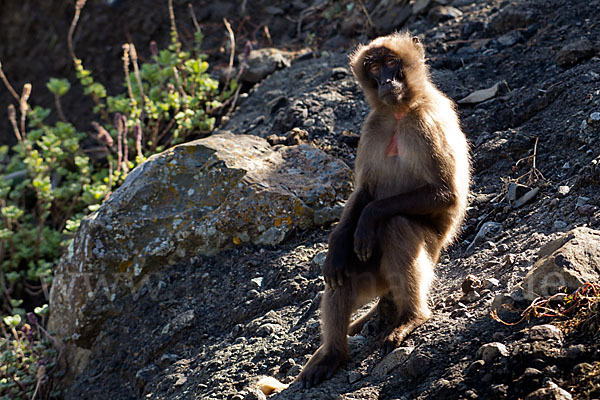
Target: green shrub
48, 181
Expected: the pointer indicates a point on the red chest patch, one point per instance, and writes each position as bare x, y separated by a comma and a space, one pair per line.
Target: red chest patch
395, 147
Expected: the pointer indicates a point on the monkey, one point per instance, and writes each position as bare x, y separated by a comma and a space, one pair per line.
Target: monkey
412, 177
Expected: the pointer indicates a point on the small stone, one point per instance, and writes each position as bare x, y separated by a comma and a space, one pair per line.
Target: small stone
491, 283
470, 284
564, 190
420, 6
257, 282
560, 225
566, 165
481, 95
474, 367
319, 258
354, 376
180, 381
255, 394
510, 38
500, 390
509, 19
581, 200
575, 351
594, 119
294, 371
168, 359
268, 330
470, 297
490, 351
586, 209
145, 375
418, 364
443, 13
545, 332
356, 342
574, 53
526, 198
391, 361
551, 392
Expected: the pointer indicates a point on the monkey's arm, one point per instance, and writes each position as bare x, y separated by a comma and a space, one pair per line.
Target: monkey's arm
334, 267
427, 200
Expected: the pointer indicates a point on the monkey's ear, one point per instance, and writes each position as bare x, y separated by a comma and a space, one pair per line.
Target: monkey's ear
416, 40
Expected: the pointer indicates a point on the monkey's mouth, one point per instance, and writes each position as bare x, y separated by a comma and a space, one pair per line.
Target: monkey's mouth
389, 94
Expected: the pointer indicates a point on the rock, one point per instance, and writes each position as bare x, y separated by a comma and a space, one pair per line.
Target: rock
586, 209
470, 284
487, 231
516, 190
255, 394
564, 190
196, 198
594, 119
319, 258
180, 322
490, 351
569, 261
474, 367
510, 38
391, 361
509, 19
481, 95
257, 282
354, 376
263, 62
581, 200
560, 225
443, 13
470, 297
420, 6
574, 53
168, 359
269, 385
491, 283
526, 198
576, 351
145, 375
530, 379
545, 332
551, 392
418, 364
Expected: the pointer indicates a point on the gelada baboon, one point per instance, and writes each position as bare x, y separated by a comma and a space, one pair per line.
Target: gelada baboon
412, 181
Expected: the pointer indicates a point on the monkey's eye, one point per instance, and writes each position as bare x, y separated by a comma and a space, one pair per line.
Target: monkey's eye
374, 68
391, 62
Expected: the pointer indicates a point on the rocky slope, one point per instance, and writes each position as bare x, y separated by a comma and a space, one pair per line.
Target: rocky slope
210, 327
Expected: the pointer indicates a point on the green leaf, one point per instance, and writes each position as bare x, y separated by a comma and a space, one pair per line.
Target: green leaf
58, 86
12, 321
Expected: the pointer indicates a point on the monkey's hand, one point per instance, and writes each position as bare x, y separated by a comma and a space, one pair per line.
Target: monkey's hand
334, 268
364, 236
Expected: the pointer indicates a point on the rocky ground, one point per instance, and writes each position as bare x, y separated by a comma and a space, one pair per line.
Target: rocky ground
211, 327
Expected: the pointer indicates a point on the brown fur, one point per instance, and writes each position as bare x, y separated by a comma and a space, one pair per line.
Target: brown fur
404, 211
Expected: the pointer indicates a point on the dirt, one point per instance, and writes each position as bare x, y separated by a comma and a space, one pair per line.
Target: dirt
207, 330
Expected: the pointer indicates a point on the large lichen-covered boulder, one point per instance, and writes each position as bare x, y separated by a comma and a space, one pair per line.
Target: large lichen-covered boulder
194, 199
569, 261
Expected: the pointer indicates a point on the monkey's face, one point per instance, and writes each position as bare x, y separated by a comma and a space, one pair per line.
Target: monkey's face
385, 71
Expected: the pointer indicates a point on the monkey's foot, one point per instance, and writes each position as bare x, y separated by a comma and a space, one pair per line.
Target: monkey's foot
398, 334
319, 368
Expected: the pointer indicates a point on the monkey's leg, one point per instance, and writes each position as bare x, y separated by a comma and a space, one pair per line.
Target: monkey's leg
408, 270
336, 308
357, 325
